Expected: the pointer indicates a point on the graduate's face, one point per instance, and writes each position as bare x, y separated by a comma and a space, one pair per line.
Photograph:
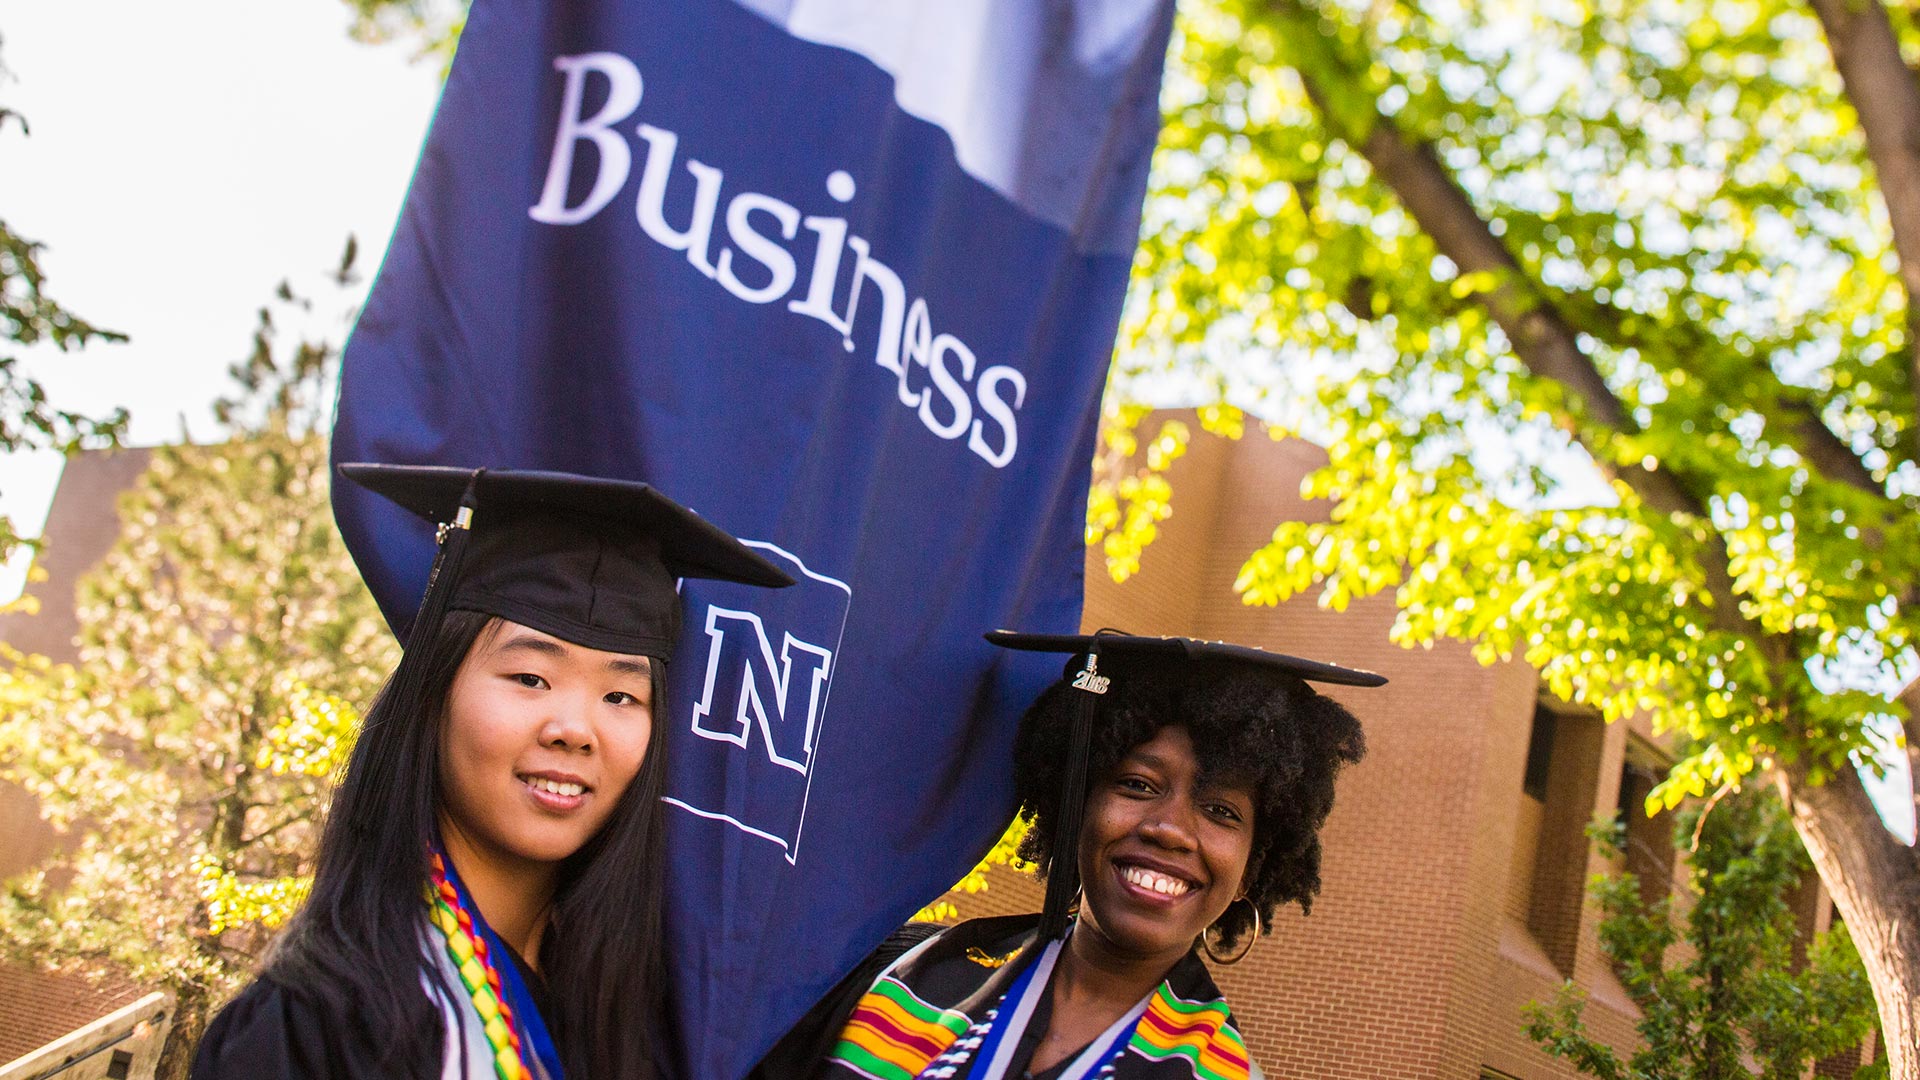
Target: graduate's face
541, 739
1162, 851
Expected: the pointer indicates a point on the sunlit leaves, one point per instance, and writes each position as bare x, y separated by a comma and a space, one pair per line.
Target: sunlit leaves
1683, 184
233, 902
1131, 494
313, 738
434, 25
193, 743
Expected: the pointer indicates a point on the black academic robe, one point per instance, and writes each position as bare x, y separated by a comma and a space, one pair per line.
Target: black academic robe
269, 1032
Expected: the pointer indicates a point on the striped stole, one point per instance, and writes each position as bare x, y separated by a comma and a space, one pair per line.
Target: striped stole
929, 1011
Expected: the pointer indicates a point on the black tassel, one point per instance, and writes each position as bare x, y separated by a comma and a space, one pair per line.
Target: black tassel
1063, 868
409, 676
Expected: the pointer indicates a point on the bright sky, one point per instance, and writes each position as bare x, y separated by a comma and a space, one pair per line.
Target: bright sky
183, 160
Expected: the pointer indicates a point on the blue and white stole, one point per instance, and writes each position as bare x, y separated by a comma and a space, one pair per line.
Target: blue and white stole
536, 1042
1009, 1025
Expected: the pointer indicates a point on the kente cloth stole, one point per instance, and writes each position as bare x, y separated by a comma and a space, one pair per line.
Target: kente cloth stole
929, 1013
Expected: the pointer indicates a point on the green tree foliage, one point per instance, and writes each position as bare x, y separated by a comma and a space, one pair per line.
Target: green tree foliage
1597, 308
190, 750
1717, 984
1701, 253
434, 24
29, 317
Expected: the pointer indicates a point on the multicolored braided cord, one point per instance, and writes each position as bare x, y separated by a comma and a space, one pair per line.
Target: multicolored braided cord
477, 973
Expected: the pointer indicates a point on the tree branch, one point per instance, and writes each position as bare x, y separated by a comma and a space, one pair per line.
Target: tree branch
1910, 727
297, 819
1832, 458
1542, 337
1887, 99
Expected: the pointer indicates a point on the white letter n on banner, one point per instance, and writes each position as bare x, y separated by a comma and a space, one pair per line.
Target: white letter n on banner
768, 702
616, 158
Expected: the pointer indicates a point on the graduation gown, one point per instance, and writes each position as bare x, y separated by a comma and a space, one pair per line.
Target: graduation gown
928, 1006
269, 1032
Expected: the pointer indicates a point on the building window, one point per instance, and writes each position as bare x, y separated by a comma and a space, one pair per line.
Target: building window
1539, 754
1560, 786
1649, 840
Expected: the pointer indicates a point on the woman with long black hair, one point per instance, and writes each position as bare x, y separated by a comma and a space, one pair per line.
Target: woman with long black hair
486, 901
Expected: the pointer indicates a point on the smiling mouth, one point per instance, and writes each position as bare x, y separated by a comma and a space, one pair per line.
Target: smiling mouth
1154, 881
541, 783
555, 794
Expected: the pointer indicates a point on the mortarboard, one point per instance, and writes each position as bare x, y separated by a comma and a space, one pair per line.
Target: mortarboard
1085, 674
589, 560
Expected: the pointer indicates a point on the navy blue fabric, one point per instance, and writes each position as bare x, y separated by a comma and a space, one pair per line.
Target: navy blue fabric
839, 748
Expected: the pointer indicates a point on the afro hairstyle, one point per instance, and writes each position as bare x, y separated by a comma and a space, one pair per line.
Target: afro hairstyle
1255, 725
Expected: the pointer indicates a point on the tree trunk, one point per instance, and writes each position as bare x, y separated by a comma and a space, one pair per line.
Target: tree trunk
1875, 883
189, 1023
1910, 727
1873, 878
1885, 95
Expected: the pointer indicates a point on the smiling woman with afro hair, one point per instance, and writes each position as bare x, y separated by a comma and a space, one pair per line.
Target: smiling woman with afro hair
1174, 791
1252, 726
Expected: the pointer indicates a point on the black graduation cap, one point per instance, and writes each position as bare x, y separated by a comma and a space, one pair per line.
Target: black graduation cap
589, 560
1085, 652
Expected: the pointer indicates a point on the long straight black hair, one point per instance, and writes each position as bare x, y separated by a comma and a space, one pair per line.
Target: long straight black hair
356, 947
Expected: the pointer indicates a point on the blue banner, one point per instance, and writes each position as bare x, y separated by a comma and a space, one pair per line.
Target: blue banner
842, 276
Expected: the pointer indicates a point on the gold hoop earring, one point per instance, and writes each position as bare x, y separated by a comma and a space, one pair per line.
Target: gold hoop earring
1206, 945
